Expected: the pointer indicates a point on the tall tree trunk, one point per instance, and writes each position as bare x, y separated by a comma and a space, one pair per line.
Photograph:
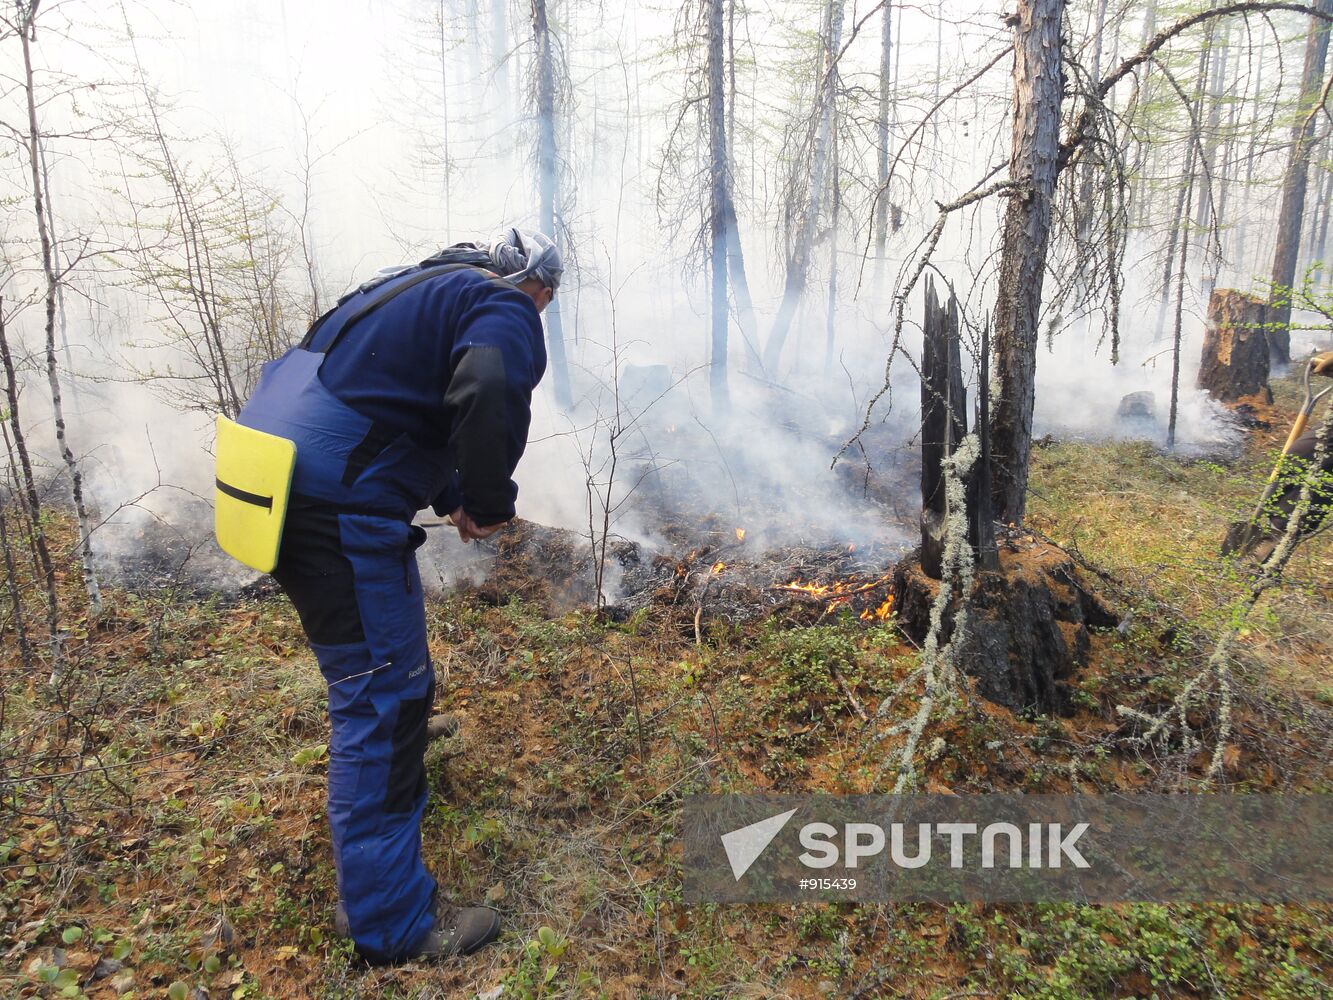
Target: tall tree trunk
1181, 218
1087, 207
446, 148
740, 284
60, 291
831, 315
1038, 81
15, 594
1319, 211
548, 183
27, 490
740, 287
885, 113
798, 264
52, 291
1142, 171
1206, 213
1176, 330
1321, 239
500, 59
717, 214
1227, 168
1291, 214
1251, 155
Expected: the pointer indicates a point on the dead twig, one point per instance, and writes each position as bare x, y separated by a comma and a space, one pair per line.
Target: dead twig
847, 693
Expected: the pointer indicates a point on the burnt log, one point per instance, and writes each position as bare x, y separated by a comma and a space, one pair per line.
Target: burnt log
1028, 624
1235, 360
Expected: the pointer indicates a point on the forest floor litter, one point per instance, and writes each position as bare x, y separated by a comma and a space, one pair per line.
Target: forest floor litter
164, 823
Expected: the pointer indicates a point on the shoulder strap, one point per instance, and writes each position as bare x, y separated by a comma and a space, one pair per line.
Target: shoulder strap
369, 307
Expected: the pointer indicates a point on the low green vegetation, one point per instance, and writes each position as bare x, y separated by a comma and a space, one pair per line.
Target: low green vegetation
164, 829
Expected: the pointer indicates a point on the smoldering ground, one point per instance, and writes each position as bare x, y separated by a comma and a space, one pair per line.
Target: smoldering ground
332, 118
644, 459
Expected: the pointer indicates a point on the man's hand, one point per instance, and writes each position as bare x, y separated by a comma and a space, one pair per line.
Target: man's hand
469, 530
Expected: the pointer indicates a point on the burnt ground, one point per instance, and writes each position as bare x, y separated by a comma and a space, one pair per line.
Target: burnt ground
163, 811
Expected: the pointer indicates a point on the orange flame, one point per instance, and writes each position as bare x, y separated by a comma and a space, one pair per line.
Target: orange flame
718, 567
840, 592
880, 613
740, 534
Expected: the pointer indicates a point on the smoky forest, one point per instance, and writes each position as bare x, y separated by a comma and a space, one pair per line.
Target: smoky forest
924, 401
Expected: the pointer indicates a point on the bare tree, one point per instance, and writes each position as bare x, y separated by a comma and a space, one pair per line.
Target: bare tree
1291, 215
214, 249
813, 182
719, 201
26, 491
695, 181
548, 181
1038, 83
1180, 217
1039, 155
886, 65
25, 25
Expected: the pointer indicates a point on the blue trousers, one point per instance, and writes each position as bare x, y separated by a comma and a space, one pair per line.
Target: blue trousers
355, 585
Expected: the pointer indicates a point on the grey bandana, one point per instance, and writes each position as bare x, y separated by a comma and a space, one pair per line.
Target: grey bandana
520, 254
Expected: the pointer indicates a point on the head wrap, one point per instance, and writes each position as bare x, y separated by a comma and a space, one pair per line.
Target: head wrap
520, 254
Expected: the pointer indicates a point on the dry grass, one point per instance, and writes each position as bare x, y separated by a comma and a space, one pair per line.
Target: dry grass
560, 800
1156, 522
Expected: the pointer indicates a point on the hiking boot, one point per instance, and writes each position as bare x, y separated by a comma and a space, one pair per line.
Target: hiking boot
459, 930
441, 727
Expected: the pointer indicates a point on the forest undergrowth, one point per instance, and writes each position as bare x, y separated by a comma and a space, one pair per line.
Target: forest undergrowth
162, 823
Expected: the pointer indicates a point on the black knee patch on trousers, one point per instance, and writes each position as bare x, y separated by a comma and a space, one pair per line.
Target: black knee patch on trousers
315, 575
407, 769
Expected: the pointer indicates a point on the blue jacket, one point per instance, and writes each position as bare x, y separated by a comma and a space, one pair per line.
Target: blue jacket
423, 400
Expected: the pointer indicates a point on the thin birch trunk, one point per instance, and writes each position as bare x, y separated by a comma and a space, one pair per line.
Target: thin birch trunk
1181, 216
15, 595
52, 372
33, 504
1091, 166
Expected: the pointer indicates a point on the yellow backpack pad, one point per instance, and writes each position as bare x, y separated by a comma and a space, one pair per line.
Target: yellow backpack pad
254, 477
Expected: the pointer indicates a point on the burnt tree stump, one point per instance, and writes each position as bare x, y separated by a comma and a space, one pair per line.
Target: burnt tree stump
943, 420
1235, 360
1028, 623
1028, 615
943, 427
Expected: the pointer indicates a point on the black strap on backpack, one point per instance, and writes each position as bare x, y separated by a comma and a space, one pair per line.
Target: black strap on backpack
369, 307
379, 436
